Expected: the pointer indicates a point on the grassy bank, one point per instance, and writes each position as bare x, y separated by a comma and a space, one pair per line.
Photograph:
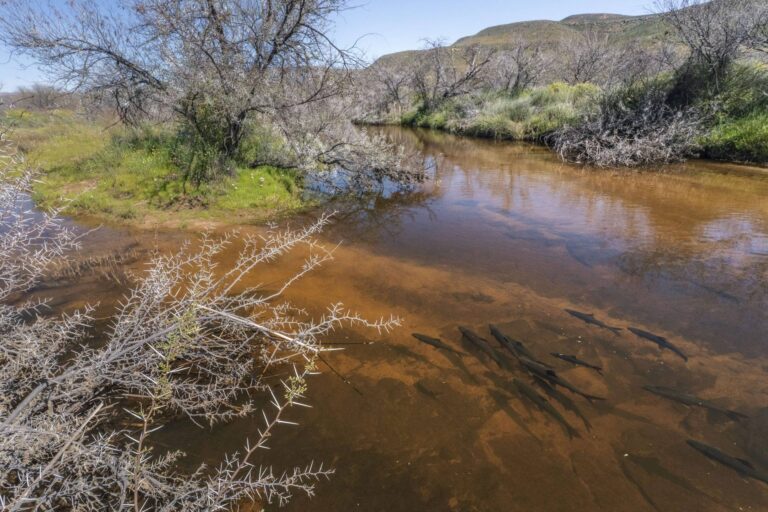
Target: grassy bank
730, 126
529, 115
739, 140
134, 176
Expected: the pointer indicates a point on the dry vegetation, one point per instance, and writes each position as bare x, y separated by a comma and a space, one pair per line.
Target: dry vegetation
220, 72
77, 415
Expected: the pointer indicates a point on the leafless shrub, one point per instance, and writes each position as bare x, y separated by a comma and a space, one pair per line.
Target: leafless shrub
189, 340
585, 57
218, 66
634, 65
445, 72
341, 156
631, 128
757, 28
385, 91
715, 32
38, 96
519, 67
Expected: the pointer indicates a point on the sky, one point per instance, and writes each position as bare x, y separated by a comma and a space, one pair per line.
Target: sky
385, 26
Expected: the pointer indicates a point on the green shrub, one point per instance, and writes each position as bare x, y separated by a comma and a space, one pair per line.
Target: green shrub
744, 139
744, 91
530, 115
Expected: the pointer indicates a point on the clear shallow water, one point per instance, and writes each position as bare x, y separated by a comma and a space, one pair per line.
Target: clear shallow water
509, 235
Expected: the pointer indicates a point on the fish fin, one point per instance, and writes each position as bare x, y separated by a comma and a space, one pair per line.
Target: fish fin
615, 330
591, 398
746, 463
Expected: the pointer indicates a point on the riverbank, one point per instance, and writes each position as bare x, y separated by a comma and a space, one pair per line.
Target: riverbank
730, 128
508, 235
96, 168
530, 115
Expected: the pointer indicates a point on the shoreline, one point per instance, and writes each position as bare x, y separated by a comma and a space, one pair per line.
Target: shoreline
756, 167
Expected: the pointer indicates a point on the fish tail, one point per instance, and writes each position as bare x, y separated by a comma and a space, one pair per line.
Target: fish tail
615, 330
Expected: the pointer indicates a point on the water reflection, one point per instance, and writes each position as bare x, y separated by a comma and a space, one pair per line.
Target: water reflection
691, 238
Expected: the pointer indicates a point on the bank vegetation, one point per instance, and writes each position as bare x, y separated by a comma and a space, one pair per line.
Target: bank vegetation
80, 406
699, 90
213, 96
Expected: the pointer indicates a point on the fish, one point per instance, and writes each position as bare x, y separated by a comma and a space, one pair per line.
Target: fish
437, 343
542, 403
578, 362
538, 369
590, 319
661, 341
573, 252
565, 401
483, 345
743, 467
515, 347
690, 400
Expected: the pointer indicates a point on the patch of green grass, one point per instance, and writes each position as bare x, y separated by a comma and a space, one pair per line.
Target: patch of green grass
262, 187
132, 175
744, 139
529, 115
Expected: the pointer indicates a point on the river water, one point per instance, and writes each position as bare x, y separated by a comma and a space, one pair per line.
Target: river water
506, 234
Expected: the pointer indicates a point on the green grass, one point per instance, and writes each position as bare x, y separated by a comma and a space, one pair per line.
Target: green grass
259, 188
128, 175
743, 140
530, 115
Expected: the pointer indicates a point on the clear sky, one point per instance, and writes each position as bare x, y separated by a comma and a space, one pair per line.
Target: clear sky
387, 26
396, 25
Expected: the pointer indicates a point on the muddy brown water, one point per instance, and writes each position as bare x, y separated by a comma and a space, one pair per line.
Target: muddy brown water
507, 234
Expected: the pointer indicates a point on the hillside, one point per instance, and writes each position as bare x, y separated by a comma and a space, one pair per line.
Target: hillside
644, 30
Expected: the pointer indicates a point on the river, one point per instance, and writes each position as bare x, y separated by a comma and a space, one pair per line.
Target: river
507, 234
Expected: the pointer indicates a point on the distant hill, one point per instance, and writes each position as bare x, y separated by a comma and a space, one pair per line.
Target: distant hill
643, 30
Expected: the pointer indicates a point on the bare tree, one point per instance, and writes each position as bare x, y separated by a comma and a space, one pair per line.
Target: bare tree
445, 72
715, 33
586, 57
190, 340
38, 96
633, 64
757, 27
385, 88
218, 65
519, 67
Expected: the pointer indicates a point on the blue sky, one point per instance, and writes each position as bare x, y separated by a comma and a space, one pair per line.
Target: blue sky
387, 26
396, 25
